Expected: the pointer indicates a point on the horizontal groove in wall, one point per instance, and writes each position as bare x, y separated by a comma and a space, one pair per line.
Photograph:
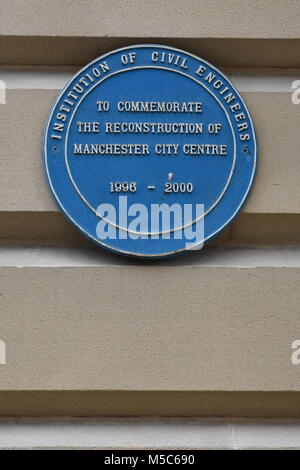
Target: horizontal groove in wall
149, 433
51, 228
135, 403
55, 50
223, 257
55, 78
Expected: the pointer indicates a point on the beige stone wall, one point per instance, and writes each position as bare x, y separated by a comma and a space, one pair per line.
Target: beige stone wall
98, 18
88, 332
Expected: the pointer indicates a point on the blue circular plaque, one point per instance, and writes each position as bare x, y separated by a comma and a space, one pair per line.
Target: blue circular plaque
150, 151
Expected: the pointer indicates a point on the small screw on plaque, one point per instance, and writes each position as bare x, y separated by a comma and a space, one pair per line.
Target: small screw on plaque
247, 151
55, 149
170, 176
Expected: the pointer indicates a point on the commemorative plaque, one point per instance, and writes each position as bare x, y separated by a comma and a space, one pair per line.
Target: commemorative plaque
150, 151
